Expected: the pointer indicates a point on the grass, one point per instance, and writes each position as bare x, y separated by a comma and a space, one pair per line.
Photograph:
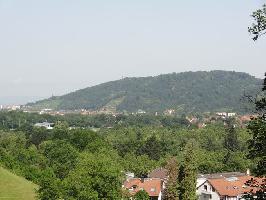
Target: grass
13, 187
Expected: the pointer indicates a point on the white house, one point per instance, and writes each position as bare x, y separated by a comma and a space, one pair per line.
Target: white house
223, 188
46, 125
231, 114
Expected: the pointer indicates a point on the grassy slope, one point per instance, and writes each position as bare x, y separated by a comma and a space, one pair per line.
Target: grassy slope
15, 187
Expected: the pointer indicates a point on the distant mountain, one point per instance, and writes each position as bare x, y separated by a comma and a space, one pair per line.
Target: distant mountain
186, 92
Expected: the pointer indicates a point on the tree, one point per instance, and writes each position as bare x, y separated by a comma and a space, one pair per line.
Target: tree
257, 128
141, 195
172, 186
231, 142
188, 173
259, 27
38, 135
61, 155
49, 187
257, 148
97, 176
140, 165
60, 131
152, 148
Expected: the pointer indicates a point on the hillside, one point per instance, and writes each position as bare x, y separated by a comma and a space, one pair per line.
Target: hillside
14, 187
187, 92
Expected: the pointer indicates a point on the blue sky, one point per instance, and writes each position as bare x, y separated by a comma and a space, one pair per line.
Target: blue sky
55, 46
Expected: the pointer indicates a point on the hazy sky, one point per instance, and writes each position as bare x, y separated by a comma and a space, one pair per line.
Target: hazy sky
57, 46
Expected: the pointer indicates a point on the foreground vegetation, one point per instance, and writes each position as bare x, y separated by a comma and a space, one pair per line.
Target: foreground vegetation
83, 164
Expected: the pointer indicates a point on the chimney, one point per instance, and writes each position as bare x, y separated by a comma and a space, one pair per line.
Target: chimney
142, 179
248, 172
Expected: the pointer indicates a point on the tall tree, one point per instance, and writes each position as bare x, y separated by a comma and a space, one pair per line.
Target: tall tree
257, 128
257, 147
259, 27
189, 173
172, 186
231, 142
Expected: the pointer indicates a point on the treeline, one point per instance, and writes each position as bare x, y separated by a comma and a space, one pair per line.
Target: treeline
23, 121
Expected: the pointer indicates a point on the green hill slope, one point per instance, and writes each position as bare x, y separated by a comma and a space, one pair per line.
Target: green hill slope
188, 91
13, 187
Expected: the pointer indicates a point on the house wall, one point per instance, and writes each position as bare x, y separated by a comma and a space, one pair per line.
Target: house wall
160, 196
231, 198
205, 192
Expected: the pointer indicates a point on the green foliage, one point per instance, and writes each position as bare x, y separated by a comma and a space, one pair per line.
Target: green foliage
259, 27
63, 161
49, 187
257, 148
141, 195
185, 92
188, 175
152, 148
231, 138
61, 156
172, 186
95, 177
257, 128
139, 165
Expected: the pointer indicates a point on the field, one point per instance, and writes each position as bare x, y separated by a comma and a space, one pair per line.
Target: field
14, 187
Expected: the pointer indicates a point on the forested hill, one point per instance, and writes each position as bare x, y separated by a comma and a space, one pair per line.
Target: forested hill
188, 91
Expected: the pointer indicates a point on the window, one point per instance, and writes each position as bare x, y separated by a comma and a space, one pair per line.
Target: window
134, 187
205, 187
152, 189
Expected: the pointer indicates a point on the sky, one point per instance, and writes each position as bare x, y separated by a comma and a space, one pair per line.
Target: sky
52, 47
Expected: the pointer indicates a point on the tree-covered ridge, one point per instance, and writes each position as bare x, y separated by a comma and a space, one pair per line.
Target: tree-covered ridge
188, 91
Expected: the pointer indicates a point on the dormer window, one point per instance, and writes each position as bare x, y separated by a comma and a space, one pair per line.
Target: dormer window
134, 187
205, 187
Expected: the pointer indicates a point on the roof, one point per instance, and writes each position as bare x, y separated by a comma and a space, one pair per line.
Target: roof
232, 186
44, 124
153, 186
158, 173
221, 175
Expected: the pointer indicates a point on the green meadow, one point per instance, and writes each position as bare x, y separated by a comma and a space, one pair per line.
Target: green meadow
13, 187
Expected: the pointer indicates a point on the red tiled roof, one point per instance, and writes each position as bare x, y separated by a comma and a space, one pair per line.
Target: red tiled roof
152, 186
158, 173
230, 187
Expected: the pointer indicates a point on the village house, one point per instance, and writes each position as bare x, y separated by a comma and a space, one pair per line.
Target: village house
46, 125
153, 186
223, 186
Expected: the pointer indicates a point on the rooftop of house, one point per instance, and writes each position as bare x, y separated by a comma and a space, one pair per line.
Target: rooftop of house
44, 124
221, 175
158, 173
153, 186
231, 186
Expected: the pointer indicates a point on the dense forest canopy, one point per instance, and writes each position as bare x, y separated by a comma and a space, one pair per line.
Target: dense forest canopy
184, 92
